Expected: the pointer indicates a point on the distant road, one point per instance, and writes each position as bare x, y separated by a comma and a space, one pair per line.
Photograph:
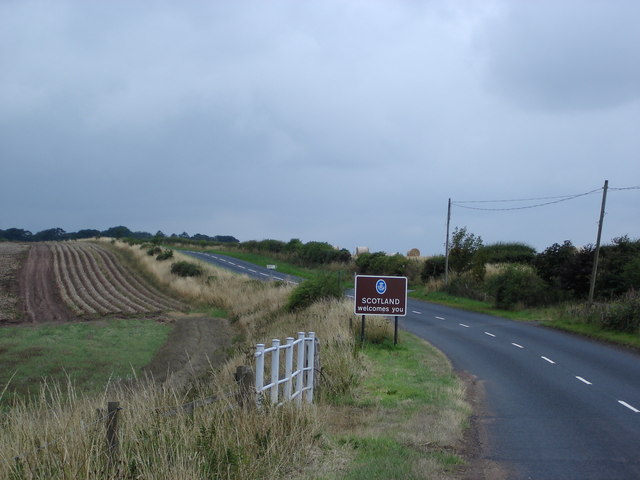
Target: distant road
245, 268
557, 406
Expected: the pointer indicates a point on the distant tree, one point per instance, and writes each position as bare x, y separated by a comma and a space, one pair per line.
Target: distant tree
86, 233
184, 235
226, 239
293, 246
462, 249
18, 235
51, 234
117, 232
141, 235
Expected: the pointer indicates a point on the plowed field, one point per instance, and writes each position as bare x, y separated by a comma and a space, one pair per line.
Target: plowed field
65, 280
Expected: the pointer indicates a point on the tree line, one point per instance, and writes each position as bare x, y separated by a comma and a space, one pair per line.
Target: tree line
58, 234
514, 273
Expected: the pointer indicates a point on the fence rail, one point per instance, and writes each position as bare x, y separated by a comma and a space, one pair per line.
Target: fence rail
294, 384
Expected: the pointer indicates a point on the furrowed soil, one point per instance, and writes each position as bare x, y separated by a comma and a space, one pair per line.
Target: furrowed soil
36, 279
41, 299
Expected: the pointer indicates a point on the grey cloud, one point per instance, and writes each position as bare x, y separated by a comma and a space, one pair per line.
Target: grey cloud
570, 55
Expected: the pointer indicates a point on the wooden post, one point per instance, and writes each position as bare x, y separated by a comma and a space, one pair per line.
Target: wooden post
362, 330
594, 270
246, 386
112, 432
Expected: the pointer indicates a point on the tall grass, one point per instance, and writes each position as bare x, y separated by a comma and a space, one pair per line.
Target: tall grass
59, 434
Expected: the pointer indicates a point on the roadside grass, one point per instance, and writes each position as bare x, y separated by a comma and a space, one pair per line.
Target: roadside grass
88, 354
553, 317
405, 418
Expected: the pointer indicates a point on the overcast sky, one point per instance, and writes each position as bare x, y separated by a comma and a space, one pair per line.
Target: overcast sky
350, 122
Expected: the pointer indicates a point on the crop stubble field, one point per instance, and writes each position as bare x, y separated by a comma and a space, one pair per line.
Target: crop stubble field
64, 281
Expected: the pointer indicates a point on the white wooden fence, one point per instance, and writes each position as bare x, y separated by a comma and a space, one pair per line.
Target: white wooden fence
295, 383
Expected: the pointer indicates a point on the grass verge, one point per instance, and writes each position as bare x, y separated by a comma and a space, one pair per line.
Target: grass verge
405, 419
86, 353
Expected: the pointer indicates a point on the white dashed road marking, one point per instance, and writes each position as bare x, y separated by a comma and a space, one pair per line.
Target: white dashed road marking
548, 360
463, 325
516, 345
417, 313
490, 334
632, 408
584, 381
440, 318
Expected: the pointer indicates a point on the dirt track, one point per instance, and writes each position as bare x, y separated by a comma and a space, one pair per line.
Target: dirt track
195, 344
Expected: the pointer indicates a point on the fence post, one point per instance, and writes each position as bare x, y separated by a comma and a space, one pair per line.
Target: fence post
259, 370
275, 369
310, 364
288, 368
300, 368
246, 381
316, 363
112, 432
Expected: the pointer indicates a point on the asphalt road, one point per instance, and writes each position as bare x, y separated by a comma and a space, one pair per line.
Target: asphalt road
557, 406
244, 268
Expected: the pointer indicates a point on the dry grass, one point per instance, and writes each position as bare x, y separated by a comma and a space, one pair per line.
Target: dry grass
59, 434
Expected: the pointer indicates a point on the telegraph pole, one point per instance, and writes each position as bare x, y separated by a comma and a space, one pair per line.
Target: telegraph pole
446, 256
592, 287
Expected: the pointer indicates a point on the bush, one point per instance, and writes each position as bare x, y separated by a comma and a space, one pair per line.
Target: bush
465, 285
186, 269
166, 255
433, 268
623, 315
312, 290
513, 252
154, 251
517, 284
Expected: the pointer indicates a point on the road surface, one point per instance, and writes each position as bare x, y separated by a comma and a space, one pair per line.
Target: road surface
244, 268
558, 406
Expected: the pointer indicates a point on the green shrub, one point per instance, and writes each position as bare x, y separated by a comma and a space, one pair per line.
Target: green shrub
310, 291
433, 267
623, 315
465, 285
511, 252
186, 269
517, 284
154, 251
165, 255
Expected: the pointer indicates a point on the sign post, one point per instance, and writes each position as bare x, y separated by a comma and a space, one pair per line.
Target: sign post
382, 296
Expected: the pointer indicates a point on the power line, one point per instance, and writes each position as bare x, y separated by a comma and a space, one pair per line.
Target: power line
556, 199
625, 188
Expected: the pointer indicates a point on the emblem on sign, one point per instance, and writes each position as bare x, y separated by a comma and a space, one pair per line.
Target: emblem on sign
381, 286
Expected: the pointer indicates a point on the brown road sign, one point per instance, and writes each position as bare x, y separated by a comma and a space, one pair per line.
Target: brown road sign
378, 295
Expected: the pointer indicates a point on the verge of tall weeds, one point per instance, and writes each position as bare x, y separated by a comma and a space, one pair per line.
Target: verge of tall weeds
60, 435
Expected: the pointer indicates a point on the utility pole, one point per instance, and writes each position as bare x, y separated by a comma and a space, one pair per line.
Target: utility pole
594, 272
446, 256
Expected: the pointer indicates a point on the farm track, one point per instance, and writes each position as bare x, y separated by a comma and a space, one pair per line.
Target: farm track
93, 282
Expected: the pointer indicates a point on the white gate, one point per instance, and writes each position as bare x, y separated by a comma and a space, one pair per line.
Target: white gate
294, 383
